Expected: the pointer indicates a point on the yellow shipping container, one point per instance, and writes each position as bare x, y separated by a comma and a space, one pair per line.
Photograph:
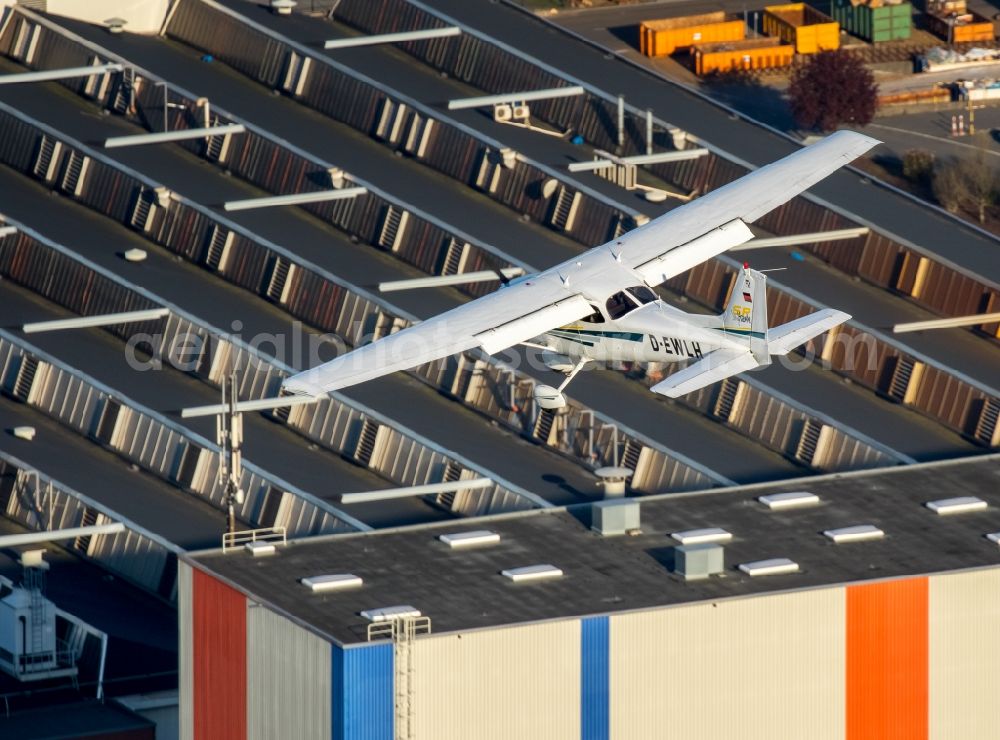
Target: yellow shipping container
806, 28
665, 36
760, 53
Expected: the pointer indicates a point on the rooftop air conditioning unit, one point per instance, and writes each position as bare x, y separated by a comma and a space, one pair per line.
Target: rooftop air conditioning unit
699, 561
521, 112
615, 516
502, 113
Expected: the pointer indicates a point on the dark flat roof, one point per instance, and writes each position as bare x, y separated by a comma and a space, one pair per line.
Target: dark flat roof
84, 719
463, 589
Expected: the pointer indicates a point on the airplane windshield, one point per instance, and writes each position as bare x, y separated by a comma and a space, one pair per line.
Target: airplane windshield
620, 304
594, 318
642, 294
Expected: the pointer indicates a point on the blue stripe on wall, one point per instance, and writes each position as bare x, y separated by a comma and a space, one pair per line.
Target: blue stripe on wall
363, 705
594, 714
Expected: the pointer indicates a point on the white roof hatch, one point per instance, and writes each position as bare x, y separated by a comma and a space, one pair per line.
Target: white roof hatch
333, 582
532, 572
772, 567
789, 500
469, 539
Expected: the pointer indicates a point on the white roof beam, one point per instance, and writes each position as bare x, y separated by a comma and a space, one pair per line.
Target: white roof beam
949, 323
106, 319
406, 492
462, 278
518, 97
261, 404
54, 535
676, 156
294, 199
393, 38
606, 159
180, 135
59, 74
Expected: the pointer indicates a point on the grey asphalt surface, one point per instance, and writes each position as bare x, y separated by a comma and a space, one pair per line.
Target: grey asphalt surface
687, 432
949, 239
87, 467
204, 295
877, 309
739, 460
712, 446
870, 305
275, 448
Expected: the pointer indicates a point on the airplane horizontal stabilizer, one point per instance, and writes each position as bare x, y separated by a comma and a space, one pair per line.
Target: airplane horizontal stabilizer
783, 339
715, 366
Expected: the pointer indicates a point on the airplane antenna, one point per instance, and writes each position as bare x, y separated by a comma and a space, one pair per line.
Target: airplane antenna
774, 269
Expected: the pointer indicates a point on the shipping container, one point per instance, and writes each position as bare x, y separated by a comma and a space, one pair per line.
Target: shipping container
875, 23
762, 53
961, 28
807, 29
668, 35
941, 7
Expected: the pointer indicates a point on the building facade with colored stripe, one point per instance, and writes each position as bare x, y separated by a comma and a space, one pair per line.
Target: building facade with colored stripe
619, 645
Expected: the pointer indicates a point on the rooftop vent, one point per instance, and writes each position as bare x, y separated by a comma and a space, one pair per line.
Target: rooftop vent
772, 567
532, 573
994, 537
259, 548
791, 500
855, 534
699, 561
34, 559
337, 582
614, 516
700, 536
469, 539
957, 505
283, 7
612, 479
388, 613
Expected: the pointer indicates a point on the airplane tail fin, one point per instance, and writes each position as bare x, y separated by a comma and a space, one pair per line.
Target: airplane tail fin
746, 312
746, 316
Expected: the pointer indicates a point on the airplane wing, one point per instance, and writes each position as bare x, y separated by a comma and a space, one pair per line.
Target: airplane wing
715, 366
651, 254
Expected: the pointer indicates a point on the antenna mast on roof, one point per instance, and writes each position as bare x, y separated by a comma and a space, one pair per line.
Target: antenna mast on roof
229, 437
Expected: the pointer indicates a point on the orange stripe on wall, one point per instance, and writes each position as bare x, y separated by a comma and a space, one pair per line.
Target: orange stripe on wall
220, 660
887, 660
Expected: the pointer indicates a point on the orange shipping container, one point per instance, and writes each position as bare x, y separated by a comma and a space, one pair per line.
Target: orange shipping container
805, 27
962, 28
760, 53
665, 36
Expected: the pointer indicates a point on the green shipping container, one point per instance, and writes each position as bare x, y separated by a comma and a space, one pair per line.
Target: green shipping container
887, 23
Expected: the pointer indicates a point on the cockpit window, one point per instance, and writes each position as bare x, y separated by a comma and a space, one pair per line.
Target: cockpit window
620, 304
643, 294
594, 318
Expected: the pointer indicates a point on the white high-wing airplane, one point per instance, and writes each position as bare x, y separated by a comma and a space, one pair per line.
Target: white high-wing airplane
599, 306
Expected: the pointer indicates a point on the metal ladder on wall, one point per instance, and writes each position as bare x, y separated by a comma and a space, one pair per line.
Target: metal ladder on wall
403, 631
34, 582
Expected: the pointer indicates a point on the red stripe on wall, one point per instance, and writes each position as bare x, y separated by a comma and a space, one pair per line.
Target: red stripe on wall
887, 660
219, 620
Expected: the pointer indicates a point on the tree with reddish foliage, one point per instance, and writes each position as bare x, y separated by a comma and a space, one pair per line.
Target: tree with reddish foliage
832, 88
